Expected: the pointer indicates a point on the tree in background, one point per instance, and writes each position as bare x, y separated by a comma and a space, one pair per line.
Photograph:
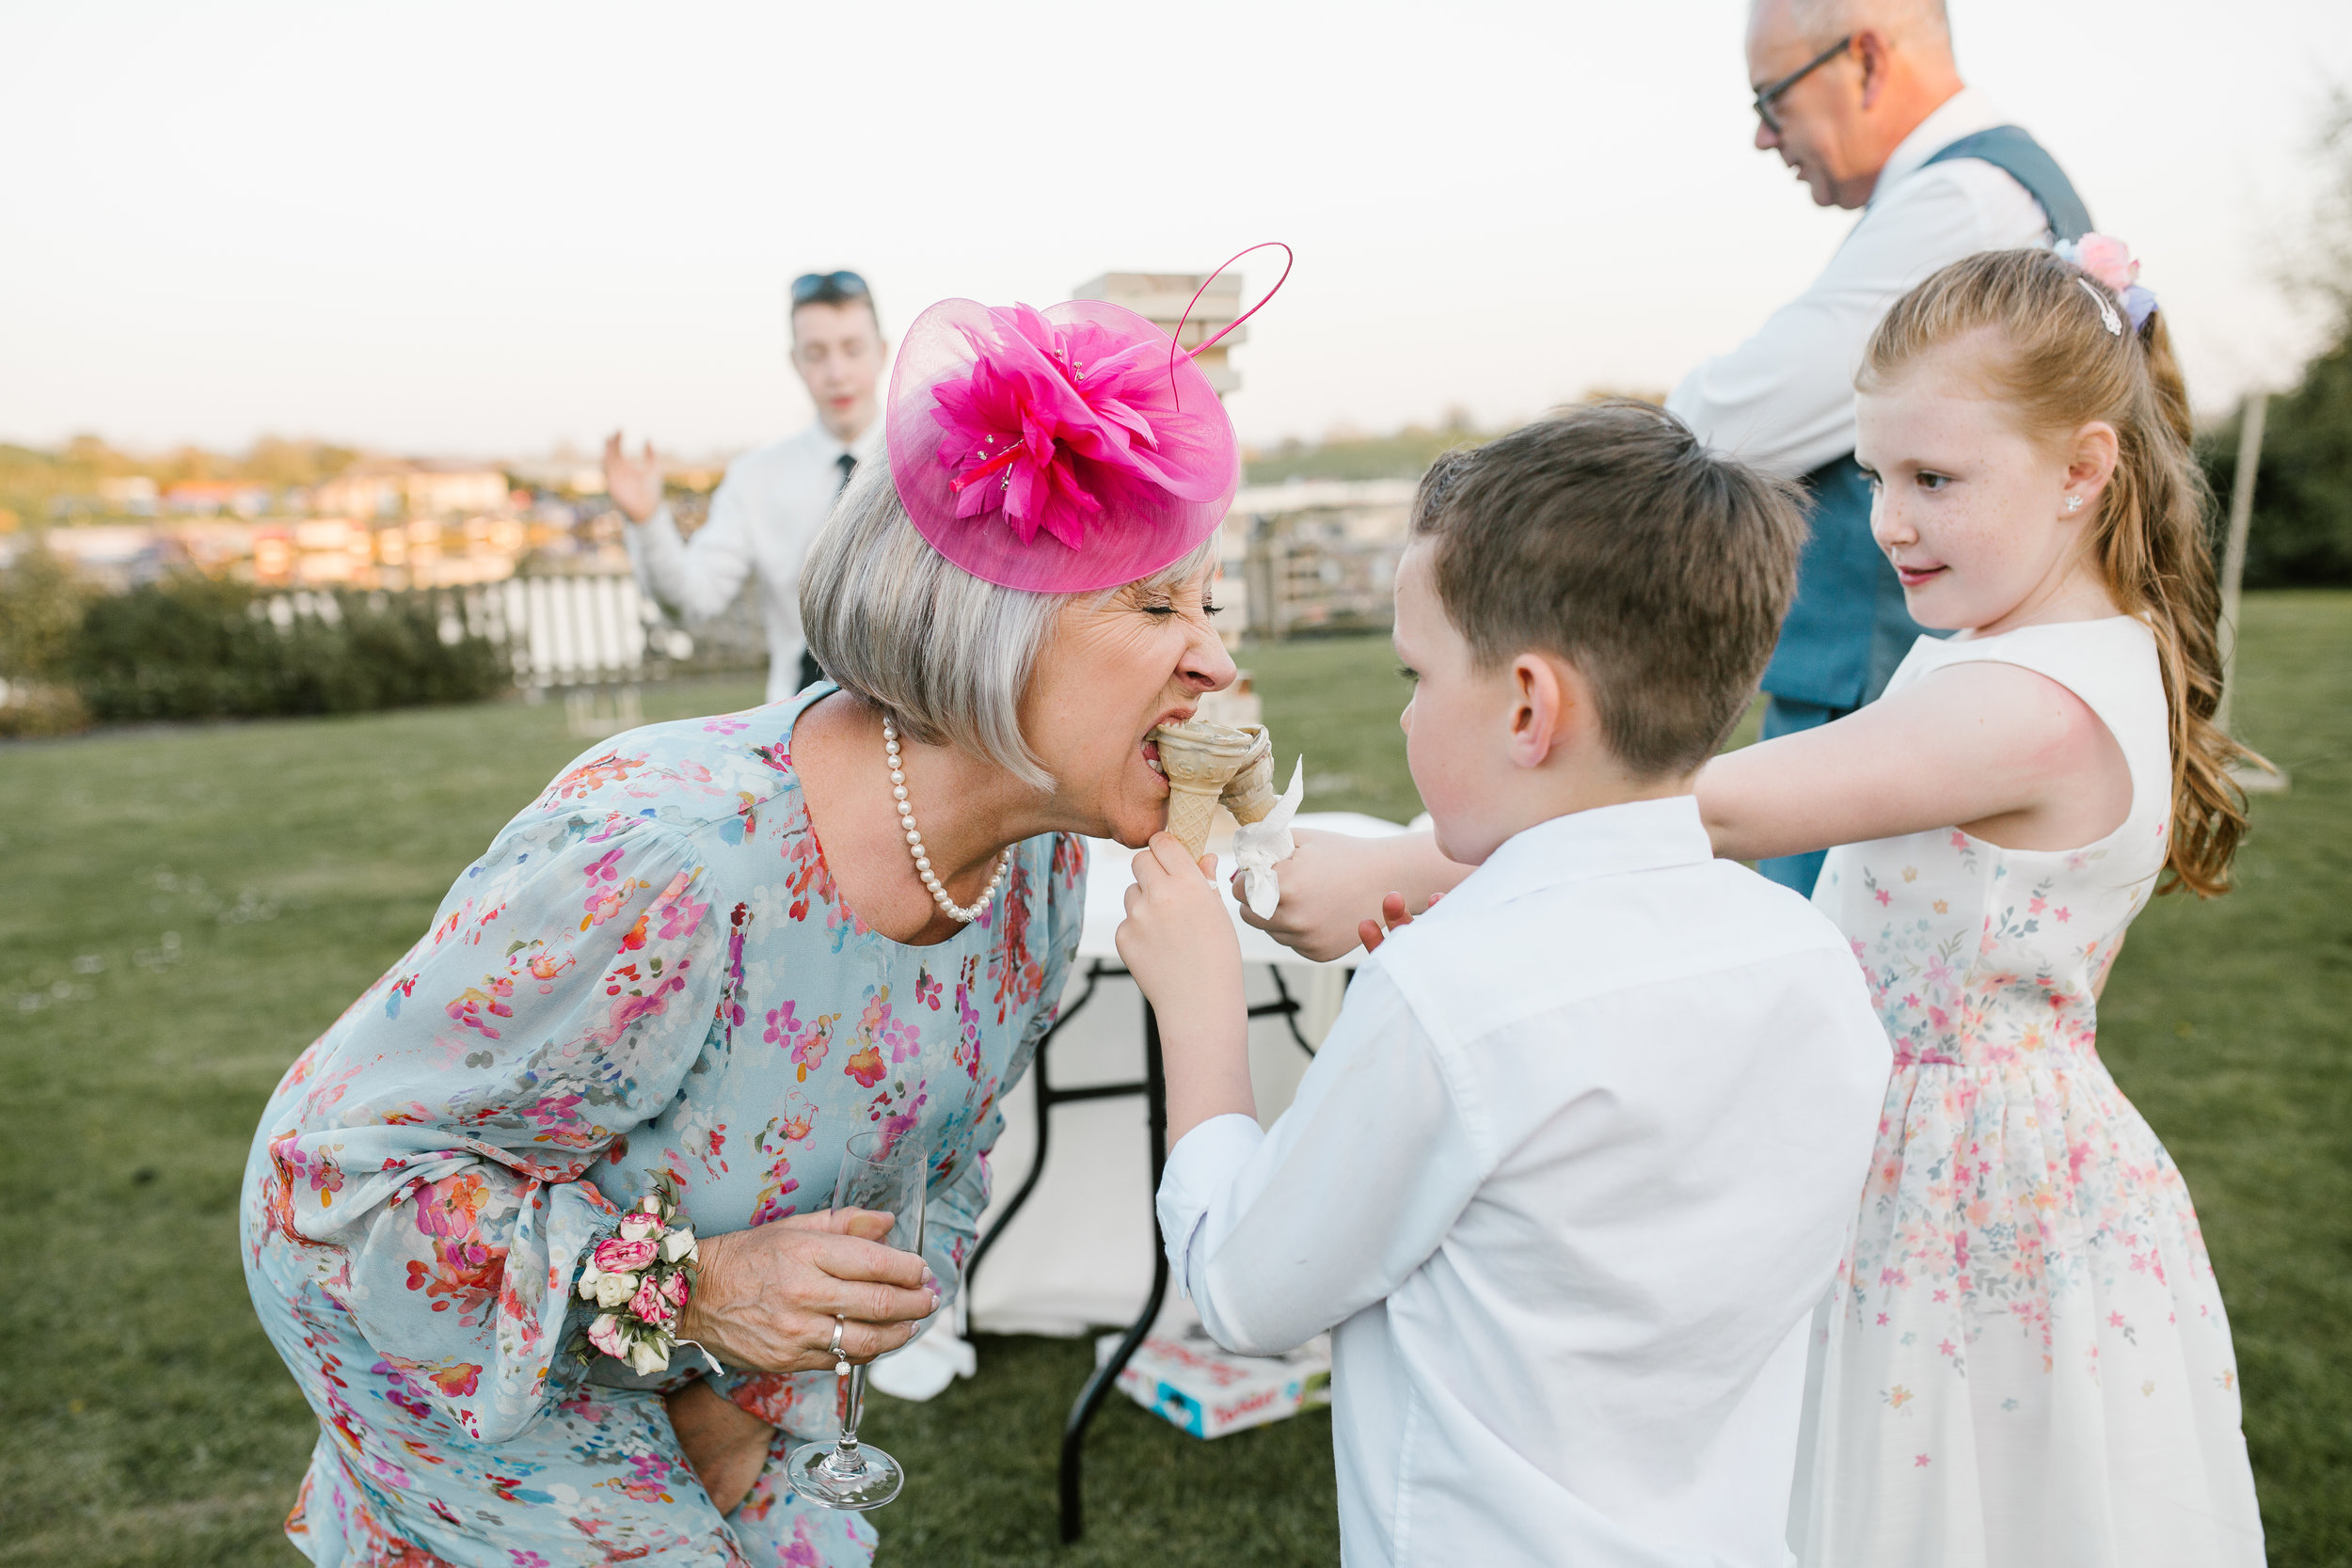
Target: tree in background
62, 482
2302, 528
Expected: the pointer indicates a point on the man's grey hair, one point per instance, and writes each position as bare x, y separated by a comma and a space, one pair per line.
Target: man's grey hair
945, 653
1822, 22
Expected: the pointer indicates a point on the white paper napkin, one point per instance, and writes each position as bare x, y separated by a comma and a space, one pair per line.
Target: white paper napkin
1260, 847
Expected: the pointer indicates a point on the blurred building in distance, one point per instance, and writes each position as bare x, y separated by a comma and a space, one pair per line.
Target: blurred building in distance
407, 487
1316, 555
1160, 297
369, 522
207, 498
134, 495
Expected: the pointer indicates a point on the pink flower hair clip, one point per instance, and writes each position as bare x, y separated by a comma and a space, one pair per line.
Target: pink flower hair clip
2108, 261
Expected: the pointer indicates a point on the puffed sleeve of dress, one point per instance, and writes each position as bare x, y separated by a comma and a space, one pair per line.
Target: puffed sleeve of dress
438, 1145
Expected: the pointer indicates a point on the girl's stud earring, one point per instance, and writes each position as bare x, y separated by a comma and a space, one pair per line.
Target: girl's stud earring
2073, 503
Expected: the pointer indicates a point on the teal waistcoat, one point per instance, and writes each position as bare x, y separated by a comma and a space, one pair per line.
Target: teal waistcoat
1849, 628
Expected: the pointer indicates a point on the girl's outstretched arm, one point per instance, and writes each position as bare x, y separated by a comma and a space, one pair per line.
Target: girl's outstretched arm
2005, 752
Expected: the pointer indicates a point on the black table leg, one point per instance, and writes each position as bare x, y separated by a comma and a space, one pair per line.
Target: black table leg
1106, 1376
1154, 1091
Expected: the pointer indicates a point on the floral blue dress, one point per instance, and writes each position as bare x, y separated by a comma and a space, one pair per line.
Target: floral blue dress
650, 970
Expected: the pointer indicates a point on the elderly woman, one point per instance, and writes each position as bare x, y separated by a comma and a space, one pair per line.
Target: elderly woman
708, 954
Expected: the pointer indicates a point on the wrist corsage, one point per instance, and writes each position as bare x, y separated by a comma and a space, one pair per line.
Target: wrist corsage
641, 1277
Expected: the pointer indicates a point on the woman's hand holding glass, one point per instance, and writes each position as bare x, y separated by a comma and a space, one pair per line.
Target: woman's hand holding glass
767, 1299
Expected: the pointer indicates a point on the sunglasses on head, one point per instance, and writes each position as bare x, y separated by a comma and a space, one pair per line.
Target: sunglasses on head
813, 286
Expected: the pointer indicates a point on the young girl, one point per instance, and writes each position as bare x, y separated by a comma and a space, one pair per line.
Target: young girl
2031, 1365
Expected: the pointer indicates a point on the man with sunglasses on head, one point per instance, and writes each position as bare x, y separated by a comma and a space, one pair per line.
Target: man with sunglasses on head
774, 498
1862, 99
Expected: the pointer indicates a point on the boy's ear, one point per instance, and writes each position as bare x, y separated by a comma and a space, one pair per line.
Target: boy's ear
1540, 709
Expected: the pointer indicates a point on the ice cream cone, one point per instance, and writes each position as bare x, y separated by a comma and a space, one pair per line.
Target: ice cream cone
1200, 760
1190, 815
1249, 794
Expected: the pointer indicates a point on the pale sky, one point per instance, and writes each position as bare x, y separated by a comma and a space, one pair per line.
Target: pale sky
482, 228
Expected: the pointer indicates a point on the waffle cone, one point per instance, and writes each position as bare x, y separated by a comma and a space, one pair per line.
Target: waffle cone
1189, 815
1251, 794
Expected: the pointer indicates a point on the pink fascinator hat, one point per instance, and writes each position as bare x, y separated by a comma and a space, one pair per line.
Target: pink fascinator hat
1057, 451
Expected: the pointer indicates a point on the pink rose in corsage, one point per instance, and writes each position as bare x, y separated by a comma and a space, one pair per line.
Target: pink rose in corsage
650, 1304
605, 1333
640, 1278
614, 1254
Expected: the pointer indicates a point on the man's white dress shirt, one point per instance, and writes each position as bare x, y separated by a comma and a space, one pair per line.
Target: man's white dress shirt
762, 521
1570, 1175
1783, 400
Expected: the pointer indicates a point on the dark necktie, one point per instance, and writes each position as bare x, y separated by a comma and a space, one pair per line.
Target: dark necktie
810, 673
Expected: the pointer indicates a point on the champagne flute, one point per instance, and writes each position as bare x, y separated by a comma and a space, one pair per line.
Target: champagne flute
885, 1175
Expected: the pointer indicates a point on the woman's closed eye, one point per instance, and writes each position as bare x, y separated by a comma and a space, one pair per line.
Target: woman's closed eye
1162, 609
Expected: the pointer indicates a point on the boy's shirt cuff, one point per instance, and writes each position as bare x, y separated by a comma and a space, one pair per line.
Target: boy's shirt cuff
1202, 1165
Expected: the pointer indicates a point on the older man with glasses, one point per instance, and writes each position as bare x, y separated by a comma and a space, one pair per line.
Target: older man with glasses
775, 498
1862, 99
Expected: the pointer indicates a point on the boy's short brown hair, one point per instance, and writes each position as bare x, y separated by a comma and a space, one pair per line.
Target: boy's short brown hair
1608, 535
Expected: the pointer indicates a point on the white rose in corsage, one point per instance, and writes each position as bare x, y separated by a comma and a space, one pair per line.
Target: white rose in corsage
640, 1278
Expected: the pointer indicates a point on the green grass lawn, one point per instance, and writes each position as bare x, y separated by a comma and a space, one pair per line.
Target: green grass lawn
182, 910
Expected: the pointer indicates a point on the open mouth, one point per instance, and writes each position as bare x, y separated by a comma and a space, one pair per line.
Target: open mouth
1148, 747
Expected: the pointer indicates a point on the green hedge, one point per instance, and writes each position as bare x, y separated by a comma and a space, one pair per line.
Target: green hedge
191, 647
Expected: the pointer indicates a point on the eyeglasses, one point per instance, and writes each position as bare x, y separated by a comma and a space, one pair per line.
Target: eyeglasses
814, 286
1770, 94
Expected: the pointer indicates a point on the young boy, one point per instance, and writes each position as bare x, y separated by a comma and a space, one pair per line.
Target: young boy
1576, 1162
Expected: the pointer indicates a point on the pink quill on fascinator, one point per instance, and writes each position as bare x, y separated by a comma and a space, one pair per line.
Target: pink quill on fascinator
1057, 451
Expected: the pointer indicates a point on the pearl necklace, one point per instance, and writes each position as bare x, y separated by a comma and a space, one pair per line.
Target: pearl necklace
961, 914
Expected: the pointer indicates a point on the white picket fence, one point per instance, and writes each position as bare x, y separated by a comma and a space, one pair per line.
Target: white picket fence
559, 631
574, 630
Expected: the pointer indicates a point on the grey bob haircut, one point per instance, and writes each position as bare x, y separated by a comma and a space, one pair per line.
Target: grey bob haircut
946, 653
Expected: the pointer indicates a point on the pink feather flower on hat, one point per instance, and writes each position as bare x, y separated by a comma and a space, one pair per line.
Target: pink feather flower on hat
1046, 401
1056, 451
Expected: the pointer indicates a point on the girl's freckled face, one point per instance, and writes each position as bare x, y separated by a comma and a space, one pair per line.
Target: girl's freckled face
1967, 507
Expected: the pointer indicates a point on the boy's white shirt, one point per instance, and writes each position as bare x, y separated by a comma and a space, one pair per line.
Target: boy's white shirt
1570, 1175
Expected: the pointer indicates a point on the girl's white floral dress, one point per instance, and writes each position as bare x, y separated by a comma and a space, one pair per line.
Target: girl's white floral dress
2031, 1365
